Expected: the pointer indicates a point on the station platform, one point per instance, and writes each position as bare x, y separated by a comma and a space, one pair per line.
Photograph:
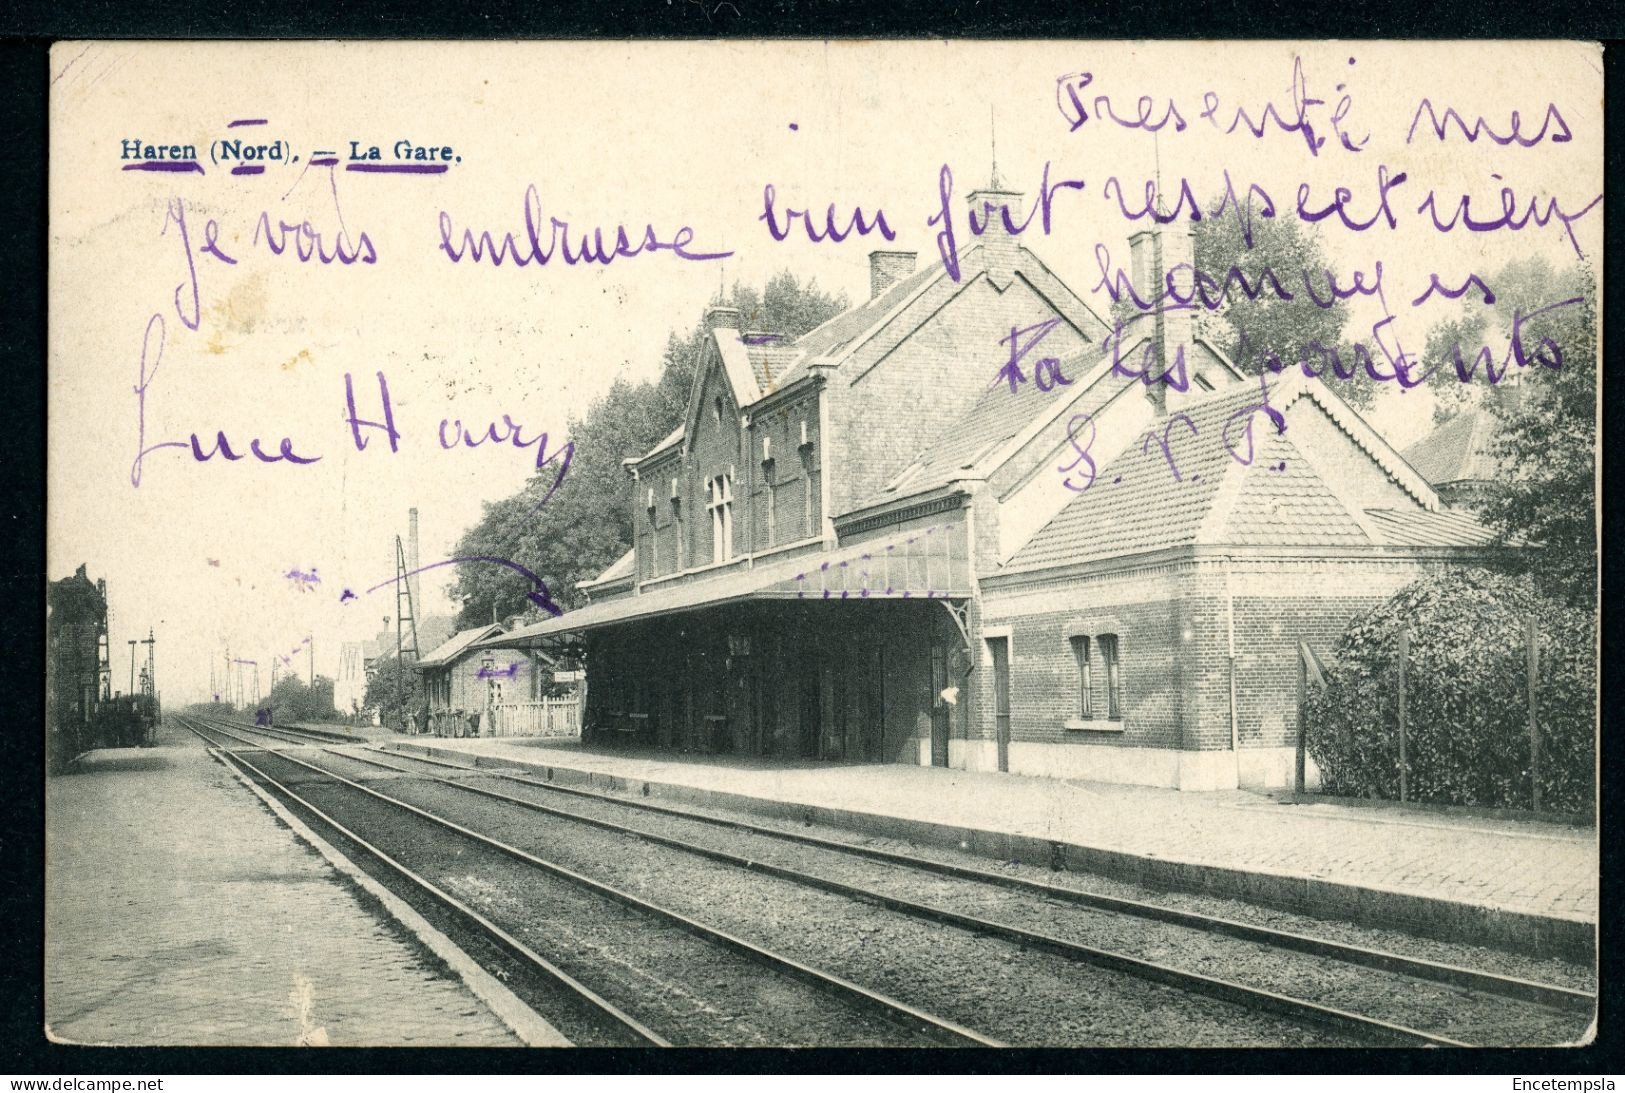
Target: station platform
180, 910
1522, 884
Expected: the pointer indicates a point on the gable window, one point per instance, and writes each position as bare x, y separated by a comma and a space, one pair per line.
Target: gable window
1110, 656
1080, 654
720, 501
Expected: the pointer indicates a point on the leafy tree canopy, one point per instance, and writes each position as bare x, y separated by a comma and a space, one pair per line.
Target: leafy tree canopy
1547, 412
586, 524
1281, 321
393, 708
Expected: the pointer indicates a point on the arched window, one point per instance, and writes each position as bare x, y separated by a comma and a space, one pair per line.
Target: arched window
1080, 654
1110, 657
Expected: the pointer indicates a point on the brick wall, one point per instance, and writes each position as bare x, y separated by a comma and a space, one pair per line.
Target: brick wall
928, 376
1173, 625
792, 481
1278, 604
1143, 608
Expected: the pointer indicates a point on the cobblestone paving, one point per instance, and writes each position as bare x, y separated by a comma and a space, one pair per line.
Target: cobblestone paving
1539, 868
179, 910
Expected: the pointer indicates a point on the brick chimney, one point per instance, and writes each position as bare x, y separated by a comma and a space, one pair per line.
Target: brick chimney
725, 317
887, 267
988, 207
1160, 258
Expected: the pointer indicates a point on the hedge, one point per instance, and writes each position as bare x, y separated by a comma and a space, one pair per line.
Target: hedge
1467, 727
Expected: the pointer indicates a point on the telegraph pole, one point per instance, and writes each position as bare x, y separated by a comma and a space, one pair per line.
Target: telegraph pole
132, 666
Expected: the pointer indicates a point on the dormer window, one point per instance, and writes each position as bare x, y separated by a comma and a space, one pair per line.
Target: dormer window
716, 409
767, 449
806, 441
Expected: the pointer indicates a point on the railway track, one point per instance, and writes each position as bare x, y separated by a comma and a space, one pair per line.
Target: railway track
616, 814
869, 1018
1514, 987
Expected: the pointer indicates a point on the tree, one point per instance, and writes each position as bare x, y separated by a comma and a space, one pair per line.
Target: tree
1467, 730
1278, 320
381, 693
1546, 407
586, 524
291, 700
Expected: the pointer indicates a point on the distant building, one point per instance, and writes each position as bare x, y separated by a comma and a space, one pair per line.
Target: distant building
1458, 458
475, 672
868, 544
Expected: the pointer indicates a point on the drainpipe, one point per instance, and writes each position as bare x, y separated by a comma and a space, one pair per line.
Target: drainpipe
1230, 642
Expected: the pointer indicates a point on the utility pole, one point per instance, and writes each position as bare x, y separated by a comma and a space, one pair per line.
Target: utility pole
152, 665
405, 614
313, 660
132, 666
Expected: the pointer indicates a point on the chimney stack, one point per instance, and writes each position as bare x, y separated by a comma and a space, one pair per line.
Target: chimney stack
1163, 265
412, 564
726, 318
887, 267
989, 209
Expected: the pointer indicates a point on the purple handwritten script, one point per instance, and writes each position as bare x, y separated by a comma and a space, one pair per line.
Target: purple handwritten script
1354, 207
546, 240
1303, 118
303, 581
1481, 127
222, 446
538, 595
1186, 288
1047, 373
491, 672
1082, 472
772, 216
1084, 463
857, 560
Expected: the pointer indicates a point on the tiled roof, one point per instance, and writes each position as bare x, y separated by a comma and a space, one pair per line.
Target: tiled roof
770, 361
830, 336
997, 417
1136, 503
1415, 527
1460, 450
449, 650
1139, 503
1281, 501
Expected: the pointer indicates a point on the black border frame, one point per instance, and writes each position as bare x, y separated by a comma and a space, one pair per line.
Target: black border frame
26, 32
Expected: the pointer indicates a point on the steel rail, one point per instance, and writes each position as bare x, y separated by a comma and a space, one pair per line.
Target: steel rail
601, 1007
1525, 990
1254, 998
910, 1016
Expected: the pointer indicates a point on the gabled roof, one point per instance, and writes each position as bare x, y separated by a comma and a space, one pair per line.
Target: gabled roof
1460, 450
454, 646
997, 418
1139, 503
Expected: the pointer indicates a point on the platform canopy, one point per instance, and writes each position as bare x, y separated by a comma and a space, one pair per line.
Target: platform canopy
924, 563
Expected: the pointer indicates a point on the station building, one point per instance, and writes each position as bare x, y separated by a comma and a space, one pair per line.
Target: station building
475, 671
870, 545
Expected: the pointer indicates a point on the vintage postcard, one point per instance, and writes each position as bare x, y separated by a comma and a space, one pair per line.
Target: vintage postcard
823, 543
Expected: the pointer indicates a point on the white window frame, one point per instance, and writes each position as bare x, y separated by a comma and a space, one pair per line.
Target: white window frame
720, 503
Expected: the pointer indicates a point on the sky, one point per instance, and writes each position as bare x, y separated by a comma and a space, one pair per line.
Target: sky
669, 135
